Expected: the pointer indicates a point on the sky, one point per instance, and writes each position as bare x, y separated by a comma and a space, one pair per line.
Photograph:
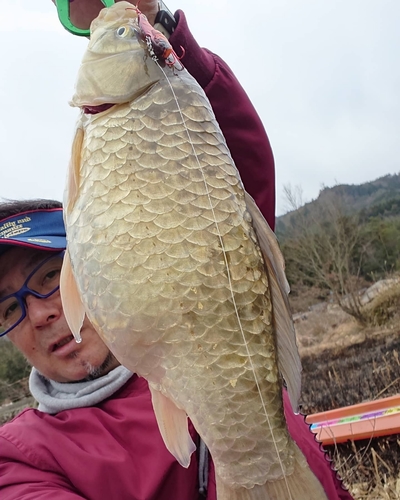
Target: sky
323, 75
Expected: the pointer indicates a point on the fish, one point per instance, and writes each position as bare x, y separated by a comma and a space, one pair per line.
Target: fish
174, 265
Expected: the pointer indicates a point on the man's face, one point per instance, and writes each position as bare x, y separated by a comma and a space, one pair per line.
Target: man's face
44, 336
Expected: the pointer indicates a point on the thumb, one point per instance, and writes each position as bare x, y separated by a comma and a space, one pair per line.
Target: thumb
149, 9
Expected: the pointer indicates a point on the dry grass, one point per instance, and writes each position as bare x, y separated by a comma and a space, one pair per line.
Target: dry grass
345, 364
370, 469
385, 308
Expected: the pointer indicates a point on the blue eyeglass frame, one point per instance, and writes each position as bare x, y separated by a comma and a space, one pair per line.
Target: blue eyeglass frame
25, 290
64, 16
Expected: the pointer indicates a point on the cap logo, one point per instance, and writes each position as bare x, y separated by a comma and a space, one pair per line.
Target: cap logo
38, 240
14, 228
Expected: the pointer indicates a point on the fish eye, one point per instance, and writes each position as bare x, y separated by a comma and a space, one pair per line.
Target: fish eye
122, 31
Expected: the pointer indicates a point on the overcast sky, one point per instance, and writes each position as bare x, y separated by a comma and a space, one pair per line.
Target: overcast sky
323, 75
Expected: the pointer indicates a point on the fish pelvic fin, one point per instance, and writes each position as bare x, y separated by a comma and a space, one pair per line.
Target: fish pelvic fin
288, 355
300, 485
74, 311
173, 426
73, 176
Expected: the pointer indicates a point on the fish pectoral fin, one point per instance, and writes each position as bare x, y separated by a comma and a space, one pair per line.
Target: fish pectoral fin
173, 426
72, 186
288, 355
74, 311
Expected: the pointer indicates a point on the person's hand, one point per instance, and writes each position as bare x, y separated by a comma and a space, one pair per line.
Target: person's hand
149, 9
82, 12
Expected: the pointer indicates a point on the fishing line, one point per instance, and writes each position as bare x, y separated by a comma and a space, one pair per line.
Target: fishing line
228, 275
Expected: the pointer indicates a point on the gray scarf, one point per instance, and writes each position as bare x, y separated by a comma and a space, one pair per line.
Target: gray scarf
56, 396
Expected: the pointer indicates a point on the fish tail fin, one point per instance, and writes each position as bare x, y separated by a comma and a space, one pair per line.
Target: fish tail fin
300, 485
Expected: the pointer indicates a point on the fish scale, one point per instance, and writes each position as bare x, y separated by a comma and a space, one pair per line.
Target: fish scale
169, 269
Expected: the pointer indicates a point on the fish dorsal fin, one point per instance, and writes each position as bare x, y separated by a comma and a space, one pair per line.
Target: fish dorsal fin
73, 176
173, 426
288, 355
74, 311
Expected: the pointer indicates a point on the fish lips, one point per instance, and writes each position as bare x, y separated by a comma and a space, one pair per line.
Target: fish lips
94, 110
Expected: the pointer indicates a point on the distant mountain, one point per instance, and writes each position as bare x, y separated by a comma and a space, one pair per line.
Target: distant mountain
379, 198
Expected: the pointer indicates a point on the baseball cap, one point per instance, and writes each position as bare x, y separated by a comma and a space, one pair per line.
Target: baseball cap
40, 229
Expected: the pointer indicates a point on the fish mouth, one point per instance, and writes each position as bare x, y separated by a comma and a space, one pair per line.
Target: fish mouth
61, 343
93, 110
95, 106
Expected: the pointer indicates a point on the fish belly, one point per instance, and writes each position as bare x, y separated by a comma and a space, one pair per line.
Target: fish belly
172, 277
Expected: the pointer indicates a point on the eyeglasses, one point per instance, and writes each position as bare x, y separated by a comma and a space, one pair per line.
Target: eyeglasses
42, 282
63, 9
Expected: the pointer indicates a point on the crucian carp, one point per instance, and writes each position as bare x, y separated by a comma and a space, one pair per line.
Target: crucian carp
175, 266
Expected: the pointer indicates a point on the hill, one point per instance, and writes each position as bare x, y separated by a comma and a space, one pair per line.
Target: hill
347, 238
378, 198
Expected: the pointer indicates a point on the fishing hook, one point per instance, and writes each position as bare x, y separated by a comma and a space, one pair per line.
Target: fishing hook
157, 44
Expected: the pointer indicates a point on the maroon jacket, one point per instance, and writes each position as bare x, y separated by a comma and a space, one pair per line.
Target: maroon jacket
114, 450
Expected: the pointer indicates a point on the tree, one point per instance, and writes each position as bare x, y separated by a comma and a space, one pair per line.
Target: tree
13, 365
384, 252
326, 248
